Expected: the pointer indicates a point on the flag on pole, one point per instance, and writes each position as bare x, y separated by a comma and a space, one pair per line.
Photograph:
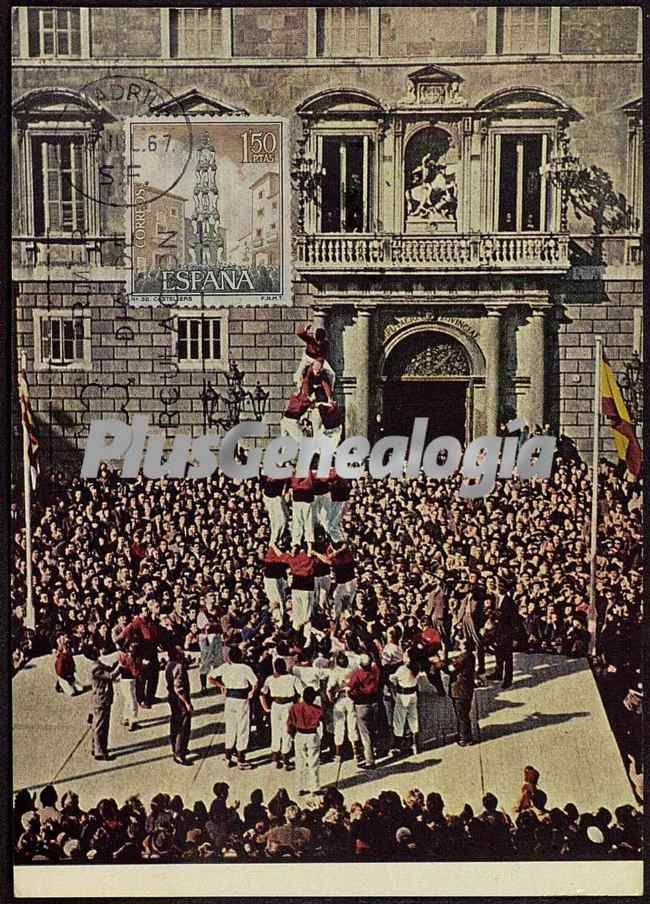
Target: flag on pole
27, 416
614, 408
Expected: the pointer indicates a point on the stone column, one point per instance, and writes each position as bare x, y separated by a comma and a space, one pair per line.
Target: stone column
491, 339
530, 366
356, 354
536, 346
319, 318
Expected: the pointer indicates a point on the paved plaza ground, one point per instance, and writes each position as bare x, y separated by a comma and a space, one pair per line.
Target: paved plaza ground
552, 717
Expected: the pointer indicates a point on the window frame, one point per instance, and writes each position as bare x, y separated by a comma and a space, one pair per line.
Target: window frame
371, 176
42, 133
548, 193
41, 316
201, 315
634, 165
505, 17
326, 15
77, 196
23, 29
166, 33
492, 33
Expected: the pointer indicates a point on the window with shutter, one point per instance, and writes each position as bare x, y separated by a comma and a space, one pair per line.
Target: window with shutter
343, 32
64, 339
523, 29
54, 32
195, 33
59, 184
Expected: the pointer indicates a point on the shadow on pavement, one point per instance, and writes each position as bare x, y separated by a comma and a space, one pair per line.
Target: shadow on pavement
390, 767
531, 722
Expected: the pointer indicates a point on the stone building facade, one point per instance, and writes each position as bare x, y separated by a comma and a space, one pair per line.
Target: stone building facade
454, 279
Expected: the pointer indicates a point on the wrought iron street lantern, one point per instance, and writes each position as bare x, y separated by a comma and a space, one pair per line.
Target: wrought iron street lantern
306, 179
226, 410
632, 387
564, 170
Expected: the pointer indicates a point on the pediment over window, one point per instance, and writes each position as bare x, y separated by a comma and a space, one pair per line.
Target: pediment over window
434, 75
340, 102
195, 103
433, 86
58, 104
527, 101
633, 107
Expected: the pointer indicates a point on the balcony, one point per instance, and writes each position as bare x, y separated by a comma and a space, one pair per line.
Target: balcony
515, 253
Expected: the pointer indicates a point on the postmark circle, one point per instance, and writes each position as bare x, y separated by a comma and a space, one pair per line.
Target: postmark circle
118, 98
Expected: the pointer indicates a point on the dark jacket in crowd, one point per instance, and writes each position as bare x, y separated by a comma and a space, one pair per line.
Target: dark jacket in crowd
463, 677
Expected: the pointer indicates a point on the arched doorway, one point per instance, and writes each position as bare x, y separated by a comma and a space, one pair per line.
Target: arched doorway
428, 374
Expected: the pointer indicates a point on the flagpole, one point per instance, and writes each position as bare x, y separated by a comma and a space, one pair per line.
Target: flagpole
30, 615
593, 611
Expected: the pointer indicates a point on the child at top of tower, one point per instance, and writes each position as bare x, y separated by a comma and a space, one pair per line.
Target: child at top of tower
316, 349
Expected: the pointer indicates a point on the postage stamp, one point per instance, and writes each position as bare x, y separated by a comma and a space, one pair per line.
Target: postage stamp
220, 236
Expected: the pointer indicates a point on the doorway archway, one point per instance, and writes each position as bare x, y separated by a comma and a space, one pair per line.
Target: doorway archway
428, 373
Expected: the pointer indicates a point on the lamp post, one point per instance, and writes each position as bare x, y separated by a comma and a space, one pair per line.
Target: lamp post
631, 384
306, 179
225, 410
564, 170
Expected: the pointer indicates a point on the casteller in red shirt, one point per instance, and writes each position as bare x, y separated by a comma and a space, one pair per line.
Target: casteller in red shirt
304, 717
302, 568
317, 345
363, 684
275, 564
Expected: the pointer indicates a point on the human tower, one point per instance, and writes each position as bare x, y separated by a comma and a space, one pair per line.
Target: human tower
322, 574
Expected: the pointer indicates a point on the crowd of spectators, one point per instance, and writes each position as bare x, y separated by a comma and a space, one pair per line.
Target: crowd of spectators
321, 828
104, 548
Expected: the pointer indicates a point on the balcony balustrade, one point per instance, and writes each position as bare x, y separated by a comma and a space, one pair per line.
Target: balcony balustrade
516, 252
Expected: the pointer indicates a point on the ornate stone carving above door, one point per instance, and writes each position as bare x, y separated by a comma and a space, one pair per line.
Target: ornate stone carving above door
428, 355
395, 324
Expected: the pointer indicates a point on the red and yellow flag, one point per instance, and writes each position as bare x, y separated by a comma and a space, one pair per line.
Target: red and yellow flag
614, 408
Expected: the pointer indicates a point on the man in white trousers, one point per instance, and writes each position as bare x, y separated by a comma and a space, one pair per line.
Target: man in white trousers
302, 566
340, 490
404, 683
130, 668
327, 421
275, 569
392, 657
279, 692
341, 561
343, 712
273, 492
239, 682
296, 408
320, 505
302, 511
310, 675
322, 583
304, 724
